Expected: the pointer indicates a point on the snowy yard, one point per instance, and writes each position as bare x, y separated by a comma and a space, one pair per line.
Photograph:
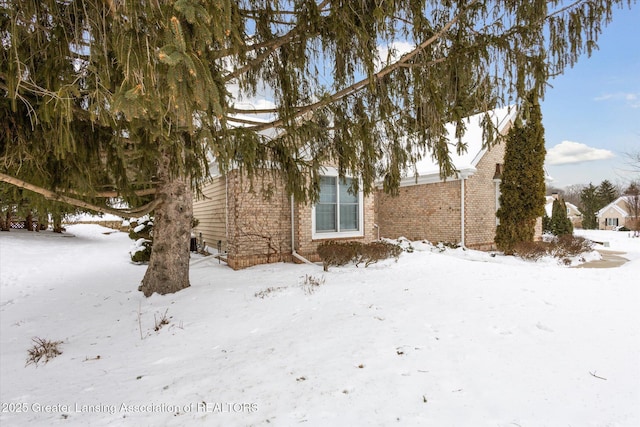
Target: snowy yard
453, 338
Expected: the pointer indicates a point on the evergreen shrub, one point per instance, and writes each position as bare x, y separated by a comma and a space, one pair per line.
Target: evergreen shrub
141, 231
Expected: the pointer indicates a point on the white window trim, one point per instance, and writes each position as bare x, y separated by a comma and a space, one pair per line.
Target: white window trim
333, 172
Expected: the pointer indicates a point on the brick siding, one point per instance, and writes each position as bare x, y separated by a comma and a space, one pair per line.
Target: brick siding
433, 211
421, 212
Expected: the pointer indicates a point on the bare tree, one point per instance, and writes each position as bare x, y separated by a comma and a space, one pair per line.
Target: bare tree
572, 194
632, 196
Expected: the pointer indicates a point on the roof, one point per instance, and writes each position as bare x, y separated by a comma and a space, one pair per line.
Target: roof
428, 169
548, 207
615, 206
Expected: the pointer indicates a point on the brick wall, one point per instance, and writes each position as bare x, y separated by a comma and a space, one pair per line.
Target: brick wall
432, 211
480, 196
421, 212
253, 220
307, 246
259, 221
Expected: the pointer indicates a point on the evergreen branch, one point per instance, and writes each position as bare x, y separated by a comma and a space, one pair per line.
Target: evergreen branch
251, 111
243, 121
52, 195
271, 47
112, 194
358, 86
264, 55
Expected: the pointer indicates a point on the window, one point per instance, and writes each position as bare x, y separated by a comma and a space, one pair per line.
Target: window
338, 212
612, 222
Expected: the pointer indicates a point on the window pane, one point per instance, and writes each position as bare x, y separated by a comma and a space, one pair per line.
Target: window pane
327, 189
326, 217
345, 195
348, 217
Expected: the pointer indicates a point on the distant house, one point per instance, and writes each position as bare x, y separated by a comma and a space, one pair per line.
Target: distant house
255, 223
573, 213
622, 212
459, 210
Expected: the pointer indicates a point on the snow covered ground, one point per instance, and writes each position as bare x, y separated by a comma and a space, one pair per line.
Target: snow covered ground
453, 338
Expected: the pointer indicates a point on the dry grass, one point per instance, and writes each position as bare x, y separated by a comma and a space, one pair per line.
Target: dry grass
43, 350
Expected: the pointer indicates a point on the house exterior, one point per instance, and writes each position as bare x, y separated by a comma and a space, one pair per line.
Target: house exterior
257, 223
459, 210
250, 223
619, 213
573, 213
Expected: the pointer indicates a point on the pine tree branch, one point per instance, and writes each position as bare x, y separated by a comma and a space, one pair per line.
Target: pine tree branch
112, 194
358, 86
51, 195
272, 46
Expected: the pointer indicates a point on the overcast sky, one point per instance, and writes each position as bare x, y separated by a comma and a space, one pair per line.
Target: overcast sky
591, 114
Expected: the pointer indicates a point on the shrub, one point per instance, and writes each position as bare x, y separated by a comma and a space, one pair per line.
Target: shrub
336, 253
569, 245
561, 247
141, 230
141, 251
341, 253
531, 251
42, 351
376, 251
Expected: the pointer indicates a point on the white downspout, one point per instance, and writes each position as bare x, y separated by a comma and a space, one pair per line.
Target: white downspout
463, 177
497, 184
293, 235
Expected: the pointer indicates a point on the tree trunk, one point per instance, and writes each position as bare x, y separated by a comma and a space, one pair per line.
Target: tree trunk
168, 270
5, 223
28, 222
57, 223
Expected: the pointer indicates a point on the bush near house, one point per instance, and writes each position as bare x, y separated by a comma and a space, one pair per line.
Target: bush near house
333, 253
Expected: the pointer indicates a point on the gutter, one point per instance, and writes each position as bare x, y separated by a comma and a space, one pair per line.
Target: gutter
293, 246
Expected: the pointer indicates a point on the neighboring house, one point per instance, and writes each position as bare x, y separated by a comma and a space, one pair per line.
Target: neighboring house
573, 213
618, 213
255, 223
459, 210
